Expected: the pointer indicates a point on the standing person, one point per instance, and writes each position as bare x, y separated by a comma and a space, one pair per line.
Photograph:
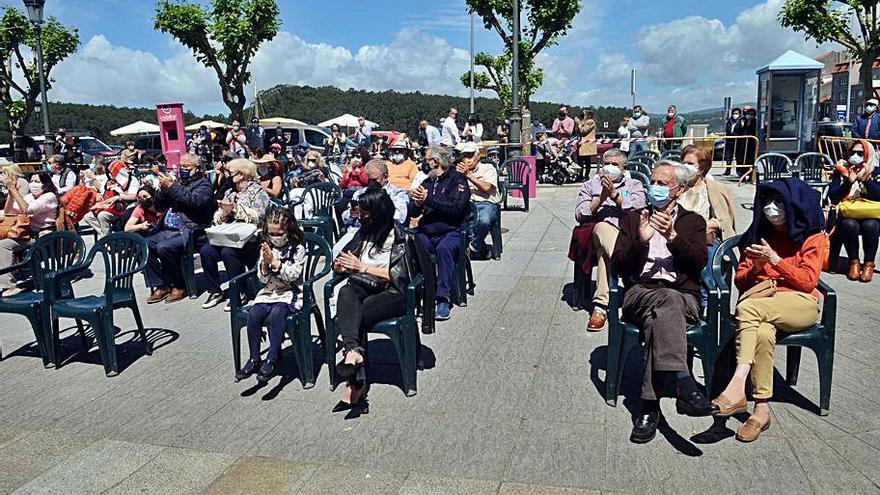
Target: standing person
638, 128
483, 180
733, 127
785, 244
63, 176
236, 139
363, 134
660, 252
473, 129
432, 136
674, 127
745, 154
563, 125
867, 125
282, 260
624, 134
203, 146
450, 135
336, 143
255, 134
503, 132
41, 206
586, 126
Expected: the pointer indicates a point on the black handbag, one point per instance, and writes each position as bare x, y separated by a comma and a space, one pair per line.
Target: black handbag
368, 283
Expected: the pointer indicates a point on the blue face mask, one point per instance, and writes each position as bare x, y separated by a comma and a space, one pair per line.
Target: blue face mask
184, 173
658, 196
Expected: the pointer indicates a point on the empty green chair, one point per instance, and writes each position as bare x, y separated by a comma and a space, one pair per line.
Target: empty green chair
50, 253
124, 255
188, 262
464, 275
623, 336
299, 329
772, 166
638, 166
518, 176
322, 196
819, 338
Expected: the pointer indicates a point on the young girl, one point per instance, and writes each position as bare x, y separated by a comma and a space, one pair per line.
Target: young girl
280, 269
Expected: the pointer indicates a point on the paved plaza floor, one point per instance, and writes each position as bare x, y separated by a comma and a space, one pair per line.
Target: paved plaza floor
511, 402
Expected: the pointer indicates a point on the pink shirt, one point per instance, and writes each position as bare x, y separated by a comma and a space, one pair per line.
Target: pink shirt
660, 265
43, 210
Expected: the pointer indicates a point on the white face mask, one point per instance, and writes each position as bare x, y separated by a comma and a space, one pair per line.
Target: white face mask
671, 114
856, 159
278, 240
397, 158
775, 213
612, 172
36, 188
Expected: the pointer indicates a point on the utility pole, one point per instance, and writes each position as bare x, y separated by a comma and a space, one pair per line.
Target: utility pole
632, 85
515, 115
472, 64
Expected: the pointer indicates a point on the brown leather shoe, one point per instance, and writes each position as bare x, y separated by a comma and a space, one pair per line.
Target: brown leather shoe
727, 408
751, 430
597, 321
157, 296
867, 272
175, 295
855, 269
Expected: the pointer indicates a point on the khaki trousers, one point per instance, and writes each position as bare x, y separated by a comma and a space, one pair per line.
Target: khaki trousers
604, 238
759, 319
102, 222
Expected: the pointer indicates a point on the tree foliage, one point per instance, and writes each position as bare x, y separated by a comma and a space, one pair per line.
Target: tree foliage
19, 77
545, 23
827, 20
223, 37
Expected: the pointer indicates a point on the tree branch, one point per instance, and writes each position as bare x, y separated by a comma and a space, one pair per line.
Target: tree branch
508, 41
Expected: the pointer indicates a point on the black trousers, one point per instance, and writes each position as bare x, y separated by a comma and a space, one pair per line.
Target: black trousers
358, 311
850, 230
585, 161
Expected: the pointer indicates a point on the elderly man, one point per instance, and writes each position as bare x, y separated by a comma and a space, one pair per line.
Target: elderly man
449, 134
189, 205
443, 201
674, 127
602, 202
563, 126
377, 170
363, 134
867, 125
660, 252
63, 176
431, 134
483, 180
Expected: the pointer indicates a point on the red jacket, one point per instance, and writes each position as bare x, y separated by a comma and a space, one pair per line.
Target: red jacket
356, 178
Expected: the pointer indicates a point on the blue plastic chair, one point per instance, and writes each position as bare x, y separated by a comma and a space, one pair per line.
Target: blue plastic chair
124, 255
299, 329
819, 338
50, 253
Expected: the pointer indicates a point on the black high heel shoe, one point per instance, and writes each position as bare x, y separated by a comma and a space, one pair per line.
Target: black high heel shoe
348, 370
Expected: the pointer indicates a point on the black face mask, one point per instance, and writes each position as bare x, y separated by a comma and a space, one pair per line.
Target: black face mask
562, 115
146, 203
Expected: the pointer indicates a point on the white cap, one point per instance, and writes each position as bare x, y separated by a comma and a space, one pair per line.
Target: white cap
872, 101
468, 147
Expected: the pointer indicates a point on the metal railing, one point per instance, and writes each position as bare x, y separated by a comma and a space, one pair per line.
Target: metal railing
836, 147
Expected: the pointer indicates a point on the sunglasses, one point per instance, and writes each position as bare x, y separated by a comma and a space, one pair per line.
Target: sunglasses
857, 152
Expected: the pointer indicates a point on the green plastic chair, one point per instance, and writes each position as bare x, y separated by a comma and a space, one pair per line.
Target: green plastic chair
772, 166
819, 338
644, 179
639, 166
623, 336
50, 253
323, 196
124, 255
299, 329
403, 330
464, 275
517, 172
650, 156
188, 262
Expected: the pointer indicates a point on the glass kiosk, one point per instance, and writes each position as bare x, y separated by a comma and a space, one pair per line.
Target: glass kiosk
788, 93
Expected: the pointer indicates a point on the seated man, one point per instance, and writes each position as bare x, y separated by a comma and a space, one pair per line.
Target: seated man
483, 179
443, 201
189, 204
603, 200
660, 252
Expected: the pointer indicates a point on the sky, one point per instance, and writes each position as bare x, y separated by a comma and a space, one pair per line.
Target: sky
689, 53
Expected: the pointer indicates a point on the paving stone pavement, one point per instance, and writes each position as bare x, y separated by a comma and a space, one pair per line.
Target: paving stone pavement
512, 405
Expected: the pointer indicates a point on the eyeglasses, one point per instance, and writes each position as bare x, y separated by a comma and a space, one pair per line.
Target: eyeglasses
858, 152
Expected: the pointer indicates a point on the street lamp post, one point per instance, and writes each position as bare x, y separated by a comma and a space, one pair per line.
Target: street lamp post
472, 64
35, 14
515, 115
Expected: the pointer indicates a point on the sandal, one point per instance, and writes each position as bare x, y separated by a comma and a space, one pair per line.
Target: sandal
727, 408
751, 430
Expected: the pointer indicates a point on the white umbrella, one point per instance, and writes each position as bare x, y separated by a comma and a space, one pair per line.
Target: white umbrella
139, 127
280, 121
346, 120
210, 124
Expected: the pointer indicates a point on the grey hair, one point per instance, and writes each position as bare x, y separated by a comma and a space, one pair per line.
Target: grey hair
684, 176
441, 153
189, 158
57, 159
614, 153
377, 164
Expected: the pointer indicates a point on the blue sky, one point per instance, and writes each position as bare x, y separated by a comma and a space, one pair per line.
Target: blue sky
689, 53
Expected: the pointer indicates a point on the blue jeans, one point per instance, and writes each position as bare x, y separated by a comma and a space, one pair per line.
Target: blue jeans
637, 145
487, 215
707, 274
277, 313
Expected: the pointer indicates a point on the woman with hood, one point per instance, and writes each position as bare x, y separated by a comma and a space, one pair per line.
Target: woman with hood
782, 253
856, 178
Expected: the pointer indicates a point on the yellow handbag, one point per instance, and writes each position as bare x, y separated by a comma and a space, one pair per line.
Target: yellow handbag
859, 209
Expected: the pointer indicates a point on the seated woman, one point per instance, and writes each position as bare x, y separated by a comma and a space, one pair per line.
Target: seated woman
785, 244
221, 182
247, 202
378, 276
145, 217
310, 172
282, 262
855, 178
269, 174
712, 201
22, 184
41, 205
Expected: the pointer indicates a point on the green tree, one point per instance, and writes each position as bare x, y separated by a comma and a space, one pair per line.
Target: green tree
545, 23
224, 37
827, 20
19, 77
